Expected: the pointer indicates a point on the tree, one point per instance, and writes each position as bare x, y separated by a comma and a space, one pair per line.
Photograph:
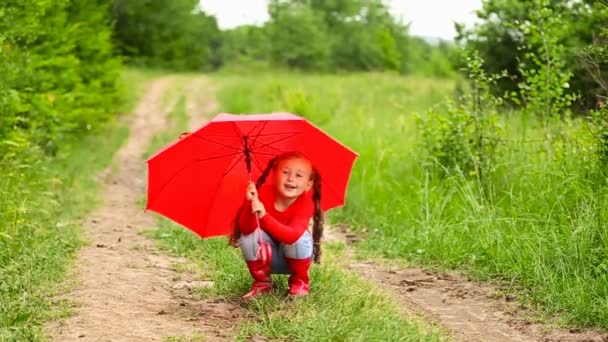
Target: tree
245, 45
500, 36
359, 34
299, 37
167, 33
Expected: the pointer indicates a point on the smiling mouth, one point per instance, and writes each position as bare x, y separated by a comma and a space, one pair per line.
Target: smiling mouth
290, 187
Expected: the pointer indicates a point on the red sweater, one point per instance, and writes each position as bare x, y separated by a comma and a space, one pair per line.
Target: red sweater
287, 226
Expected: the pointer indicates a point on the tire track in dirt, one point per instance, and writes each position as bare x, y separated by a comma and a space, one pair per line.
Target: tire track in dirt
201, 105
469, 311
200, 102
127, 290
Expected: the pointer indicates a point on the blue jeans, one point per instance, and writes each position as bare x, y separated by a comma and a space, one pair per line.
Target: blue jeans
301, 249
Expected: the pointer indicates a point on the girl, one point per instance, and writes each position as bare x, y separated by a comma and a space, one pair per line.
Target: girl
284, 209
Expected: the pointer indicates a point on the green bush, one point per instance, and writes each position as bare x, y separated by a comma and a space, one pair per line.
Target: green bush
57, 72
464, 137
58, 85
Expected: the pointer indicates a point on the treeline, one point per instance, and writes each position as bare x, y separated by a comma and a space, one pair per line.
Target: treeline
362, 35
333, 35
59, 62
301, 34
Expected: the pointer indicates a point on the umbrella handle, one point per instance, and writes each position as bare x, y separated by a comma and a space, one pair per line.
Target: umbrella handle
257, 220
248, 163
264, 253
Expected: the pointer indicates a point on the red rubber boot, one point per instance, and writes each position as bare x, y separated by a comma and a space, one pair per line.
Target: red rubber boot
299, 281
260, 270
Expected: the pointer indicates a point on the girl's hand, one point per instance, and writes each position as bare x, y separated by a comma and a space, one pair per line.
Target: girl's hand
251, 192
257, 207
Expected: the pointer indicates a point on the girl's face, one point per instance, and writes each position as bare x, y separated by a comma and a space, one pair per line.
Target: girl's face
293, 177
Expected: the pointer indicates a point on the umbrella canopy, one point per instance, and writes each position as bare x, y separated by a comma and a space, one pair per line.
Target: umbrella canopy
199, 181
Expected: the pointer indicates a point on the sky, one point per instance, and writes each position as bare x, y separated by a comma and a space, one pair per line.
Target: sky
428, 18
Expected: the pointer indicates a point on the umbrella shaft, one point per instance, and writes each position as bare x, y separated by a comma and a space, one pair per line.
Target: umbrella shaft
247, 156
257, 219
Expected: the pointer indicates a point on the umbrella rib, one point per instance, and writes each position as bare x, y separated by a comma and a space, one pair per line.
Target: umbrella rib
216, 142
269, 144
217, 157
195, 161
255, 137
261, 129
266, 153
279, 133
292, 134
238, 132
257, 164
233, 165
259, 134
218, 185
219, 135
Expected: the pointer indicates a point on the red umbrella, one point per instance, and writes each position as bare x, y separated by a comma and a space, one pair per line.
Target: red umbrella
199, 181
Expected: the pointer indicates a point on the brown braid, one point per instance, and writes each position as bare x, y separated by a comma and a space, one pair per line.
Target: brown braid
317, 227
265, 173
236, 234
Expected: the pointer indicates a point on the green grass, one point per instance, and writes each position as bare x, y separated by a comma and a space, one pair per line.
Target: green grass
133, 85
178, 123
178, 118
341, 307
543, 231
193, 338
42, 202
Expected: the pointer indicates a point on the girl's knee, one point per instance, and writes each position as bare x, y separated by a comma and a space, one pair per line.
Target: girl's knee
249, 244
301, 249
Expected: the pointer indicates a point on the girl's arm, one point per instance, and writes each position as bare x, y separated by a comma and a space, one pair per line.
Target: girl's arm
291, 232
247, 222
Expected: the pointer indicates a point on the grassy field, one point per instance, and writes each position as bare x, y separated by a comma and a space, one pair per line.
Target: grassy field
341, 307
540, 229
42, 202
